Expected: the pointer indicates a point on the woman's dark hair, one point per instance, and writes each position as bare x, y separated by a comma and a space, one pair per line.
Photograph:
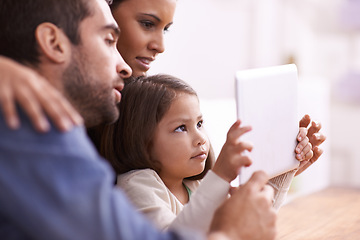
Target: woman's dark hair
145, 100
115, 4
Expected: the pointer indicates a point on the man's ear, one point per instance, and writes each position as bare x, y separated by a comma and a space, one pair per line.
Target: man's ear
52, 42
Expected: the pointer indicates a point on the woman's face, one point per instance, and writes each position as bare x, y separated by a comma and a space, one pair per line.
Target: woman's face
143, 24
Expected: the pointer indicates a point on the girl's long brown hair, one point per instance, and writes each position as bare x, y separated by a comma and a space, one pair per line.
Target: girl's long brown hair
145, 100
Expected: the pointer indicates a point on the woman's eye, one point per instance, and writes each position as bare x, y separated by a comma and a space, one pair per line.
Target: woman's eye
181, 128
147, 24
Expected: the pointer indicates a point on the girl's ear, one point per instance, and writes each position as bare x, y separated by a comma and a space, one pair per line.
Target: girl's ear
52, 41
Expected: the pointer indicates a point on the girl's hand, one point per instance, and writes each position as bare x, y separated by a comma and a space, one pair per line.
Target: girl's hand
309, 138
35, 95
232, 157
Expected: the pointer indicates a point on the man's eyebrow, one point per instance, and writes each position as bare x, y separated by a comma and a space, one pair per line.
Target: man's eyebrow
114, 28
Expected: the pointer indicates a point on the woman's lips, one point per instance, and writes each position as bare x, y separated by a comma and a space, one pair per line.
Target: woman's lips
144, 62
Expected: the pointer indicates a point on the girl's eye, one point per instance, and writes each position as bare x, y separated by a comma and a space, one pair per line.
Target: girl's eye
199, 124
147, 24
181, 128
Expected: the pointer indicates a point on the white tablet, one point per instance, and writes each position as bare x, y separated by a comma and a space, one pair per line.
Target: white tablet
266, 99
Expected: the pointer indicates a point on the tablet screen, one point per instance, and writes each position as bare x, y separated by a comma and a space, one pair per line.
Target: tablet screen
266, 99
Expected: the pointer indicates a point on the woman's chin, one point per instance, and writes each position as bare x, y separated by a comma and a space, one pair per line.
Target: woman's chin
139, 73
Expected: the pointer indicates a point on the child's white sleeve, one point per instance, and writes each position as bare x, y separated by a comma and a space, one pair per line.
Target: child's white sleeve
199, 211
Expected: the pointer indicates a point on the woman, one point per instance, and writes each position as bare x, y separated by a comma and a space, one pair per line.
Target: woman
142, 24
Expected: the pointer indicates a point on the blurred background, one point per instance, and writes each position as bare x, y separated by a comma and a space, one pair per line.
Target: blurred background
212, 39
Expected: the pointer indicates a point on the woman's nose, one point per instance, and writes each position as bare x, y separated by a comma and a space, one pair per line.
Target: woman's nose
157, 44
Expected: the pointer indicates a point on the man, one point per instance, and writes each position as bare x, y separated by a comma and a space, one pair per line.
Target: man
55, 185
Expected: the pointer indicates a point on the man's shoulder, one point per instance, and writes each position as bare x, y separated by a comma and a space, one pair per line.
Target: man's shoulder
26, 138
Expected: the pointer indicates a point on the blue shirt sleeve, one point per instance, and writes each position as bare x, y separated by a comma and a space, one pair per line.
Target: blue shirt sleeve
56, 186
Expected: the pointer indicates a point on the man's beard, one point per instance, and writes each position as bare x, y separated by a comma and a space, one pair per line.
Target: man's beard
90, 97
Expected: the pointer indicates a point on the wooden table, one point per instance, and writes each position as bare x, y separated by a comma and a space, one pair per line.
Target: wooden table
330, 214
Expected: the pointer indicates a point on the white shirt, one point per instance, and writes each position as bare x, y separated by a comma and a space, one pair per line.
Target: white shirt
150, 196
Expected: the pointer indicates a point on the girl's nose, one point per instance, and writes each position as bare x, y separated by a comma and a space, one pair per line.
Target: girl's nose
201, 139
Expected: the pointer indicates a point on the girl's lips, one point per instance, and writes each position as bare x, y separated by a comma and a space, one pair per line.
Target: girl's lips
201, 156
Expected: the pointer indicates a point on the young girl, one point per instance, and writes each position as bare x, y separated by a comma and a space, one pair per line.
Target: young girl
161, 151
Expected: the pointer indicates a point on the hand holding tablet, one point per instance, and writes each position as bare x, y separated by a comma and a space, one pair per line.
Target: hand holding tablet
266, 99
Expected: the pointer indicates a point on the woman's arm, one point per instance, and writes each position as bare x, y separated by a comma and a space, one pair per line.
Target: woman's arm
21, 85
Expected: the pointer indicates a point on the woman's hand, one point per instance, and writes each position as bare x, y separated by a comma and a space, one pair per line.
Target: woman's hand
35, 95
309, 138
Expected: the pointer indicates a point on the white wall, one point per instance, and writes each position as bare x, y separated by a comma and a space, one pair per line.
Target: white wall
206, 45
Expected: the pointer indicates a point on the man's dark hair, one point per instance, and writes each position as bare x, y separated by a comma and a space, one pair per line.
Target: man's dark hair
20, 18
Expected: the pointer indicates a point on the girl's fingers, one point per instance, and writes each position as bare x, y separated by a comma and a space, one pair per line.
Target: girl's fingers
306, 153
302, 134
301, 145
